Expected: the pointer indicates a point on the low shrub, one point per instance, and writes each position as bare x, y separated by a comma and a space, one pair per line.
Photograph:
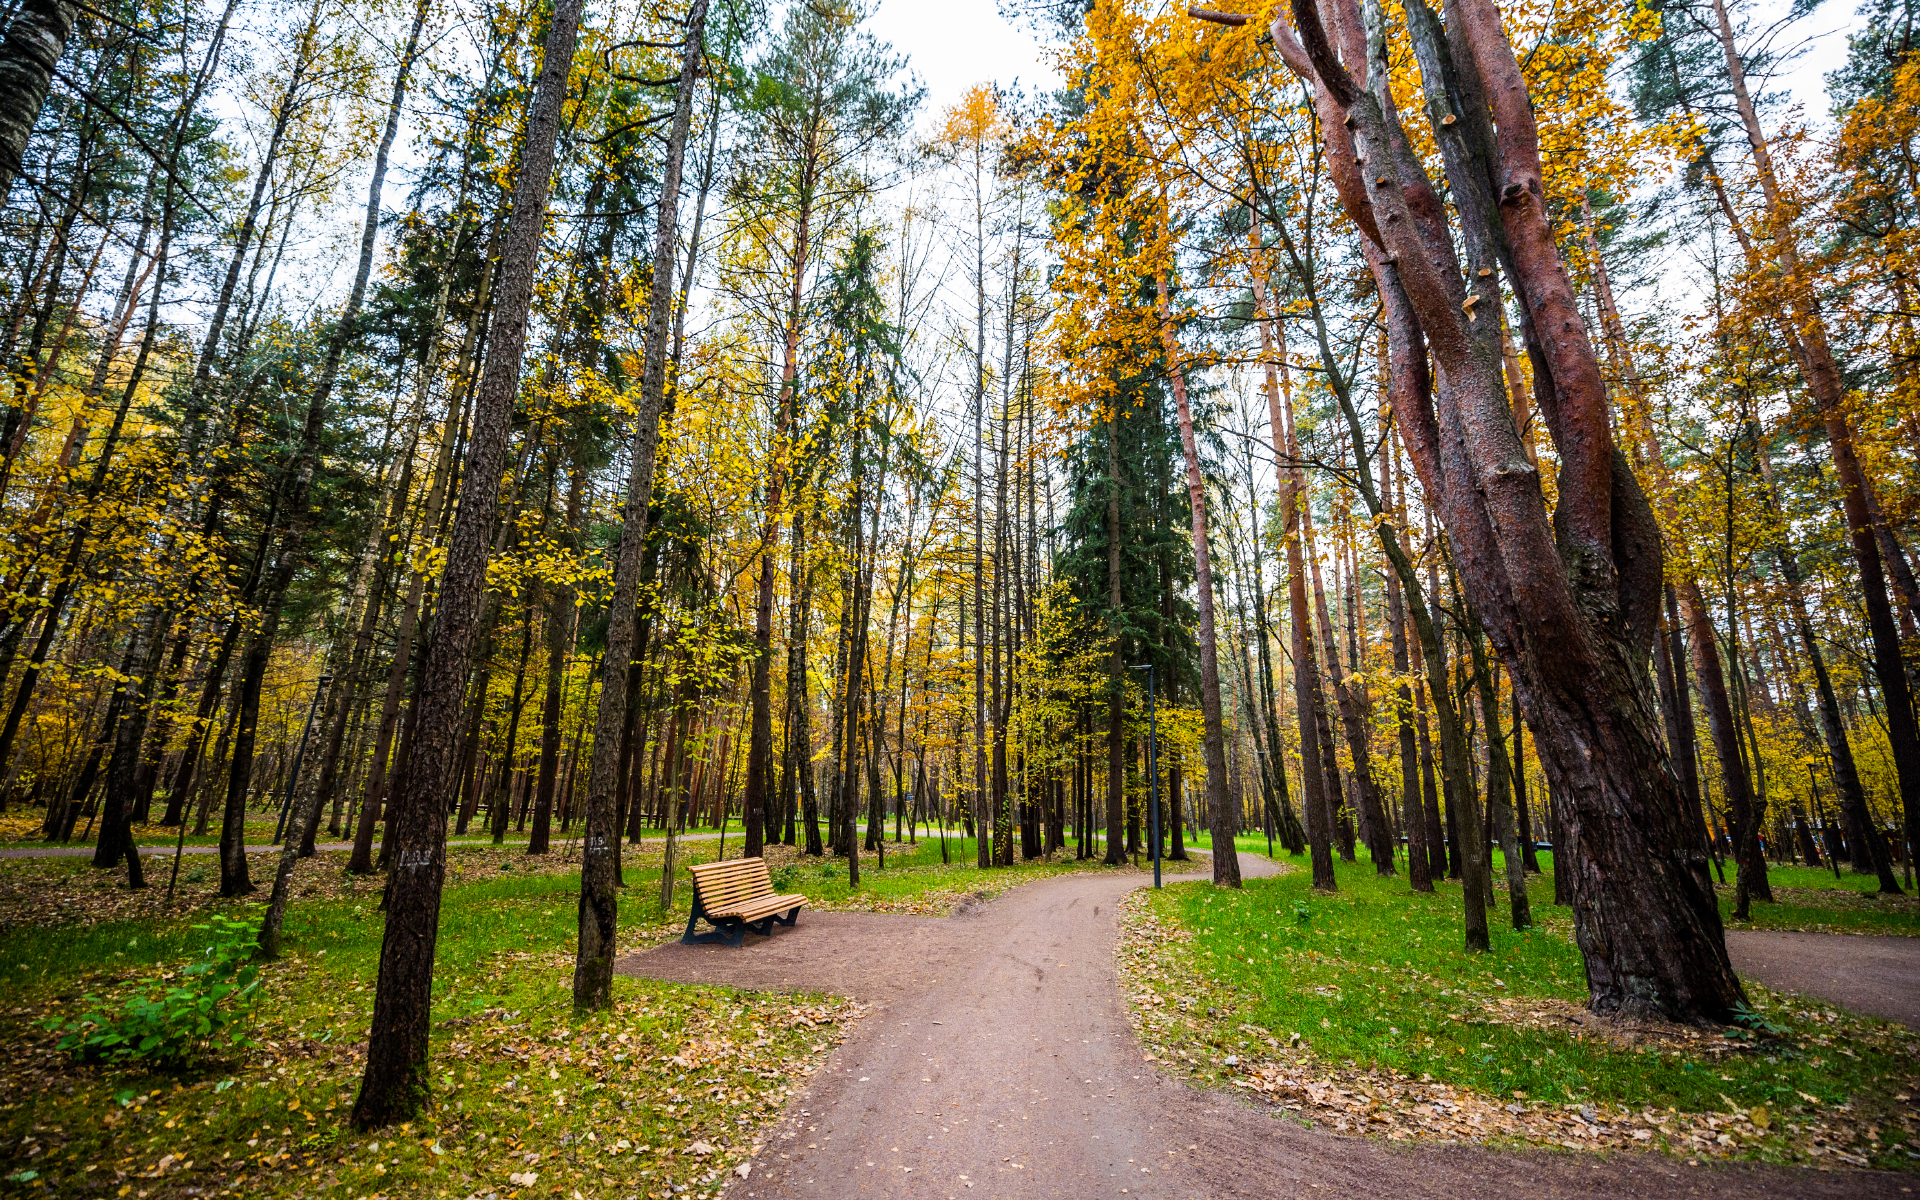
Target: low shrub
173, 1018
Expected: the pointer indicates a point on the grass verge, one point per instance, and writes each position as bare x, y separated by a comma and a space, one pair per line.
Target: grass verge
1807, 899
1359, 1010
664, 1094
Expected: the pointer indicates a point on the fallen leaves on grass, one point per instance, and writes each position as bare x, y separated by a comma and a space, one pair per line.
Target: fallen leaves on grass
670, 1092
1834, 910
1167, 994
70, 891
1561, 1016
21, 825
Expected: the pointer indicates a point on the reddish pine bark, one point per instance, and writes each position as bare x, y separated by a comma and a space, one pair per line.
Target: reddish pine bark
1568, 599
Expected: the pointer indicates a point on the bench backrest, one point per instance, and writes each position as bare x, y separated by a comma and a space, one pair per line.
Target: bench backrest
732, 881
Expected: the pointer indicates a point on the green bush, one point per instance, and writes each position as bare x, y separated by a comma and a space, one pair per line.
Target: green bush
170, 1020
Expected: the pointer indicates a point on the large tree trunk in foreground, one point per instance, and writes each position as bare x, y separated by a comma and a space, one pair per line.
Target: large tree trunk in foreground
1568, 599
599, 902
395, 1084
36, 38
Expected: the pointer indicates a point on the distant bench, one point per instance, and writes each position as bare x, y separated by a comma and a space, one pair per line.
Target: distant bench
733, 896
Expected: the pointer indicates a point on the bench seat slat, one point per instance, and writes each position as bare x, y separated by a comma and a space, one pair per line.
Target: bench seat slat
741, 891
759, 907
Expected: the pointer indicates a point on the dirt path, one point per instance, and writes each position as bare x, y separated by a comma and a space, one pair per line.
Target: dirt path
1875, 975
999, 1063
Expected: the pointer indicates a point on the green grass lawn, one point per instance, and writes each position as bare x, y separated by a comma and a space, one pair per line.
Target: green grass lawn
1812, 899
1375, 976
516, 1073
1806, 898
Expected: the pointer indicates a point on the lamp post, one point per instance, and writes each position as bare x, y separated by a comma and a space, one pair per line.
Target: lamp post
1153, 772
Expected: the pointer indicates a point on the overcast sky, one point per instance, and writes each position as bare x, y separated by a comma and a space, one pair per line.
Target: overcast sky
954, 44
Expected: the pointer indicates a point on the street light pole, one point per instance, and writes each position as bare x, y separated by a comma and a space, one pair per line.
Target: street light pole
1153, 772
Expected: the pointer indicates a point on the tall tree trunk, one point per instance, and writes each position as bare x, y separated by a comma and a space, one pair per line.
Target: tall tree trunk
1530, 860
1220, 817
796, 753
1506, 827
395, 1083
297, 476
500, 799
1569, 600
1116, 664
599, 902
36, 38
1412, 809
1306, 671
116, 838
1352, 719
559, 642
1846, 776
1409, 385
1806, 333
1751, 880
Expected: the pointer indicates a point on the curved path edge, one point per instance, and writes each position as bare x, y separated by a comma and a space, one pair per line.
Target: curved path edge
1877, 975
998, 1062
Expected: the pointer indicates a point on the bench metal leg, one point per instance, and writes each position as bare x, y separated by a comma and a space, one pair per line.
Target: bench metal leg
732, 933
793, 914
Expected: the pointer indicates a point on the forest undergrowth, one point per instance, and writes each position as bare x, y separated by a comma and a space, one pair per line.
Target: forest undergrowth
669, 1090
1812, 900
1357, 1011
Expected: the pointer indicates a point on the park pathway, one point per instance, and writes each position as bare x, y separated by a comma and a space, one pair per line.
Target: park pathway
998, 1062
1872, 974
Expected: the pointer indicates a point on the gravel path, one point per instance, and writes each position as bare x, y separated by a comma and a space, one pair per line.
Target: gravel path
998, 1062
1874, 975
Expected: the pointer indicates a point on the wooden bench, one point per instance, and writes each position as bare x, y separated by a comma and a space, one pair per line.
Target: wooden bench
734, 896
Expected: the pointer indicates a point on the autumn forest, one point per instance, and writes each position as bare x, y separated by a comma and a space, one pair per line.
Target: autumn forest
1461, 460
